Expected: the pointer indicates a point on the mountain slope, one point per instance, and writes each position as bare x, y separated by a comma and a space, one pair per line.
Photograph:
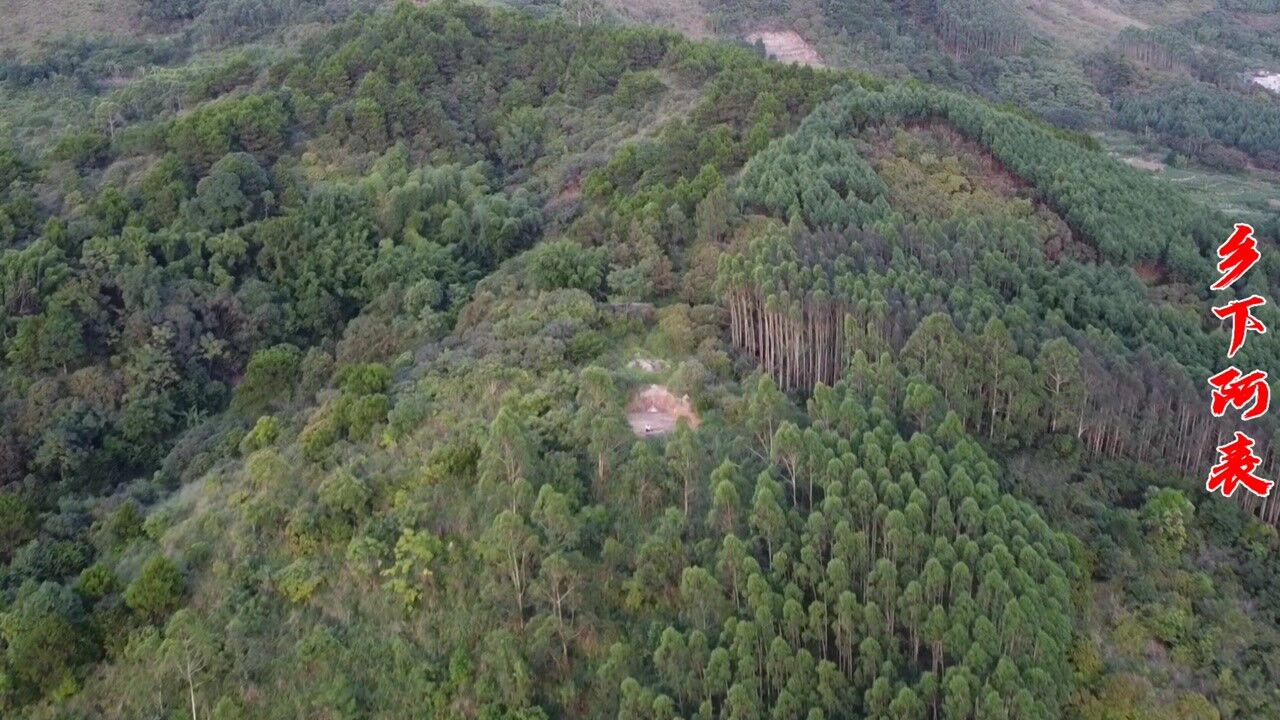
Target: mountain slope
316, 387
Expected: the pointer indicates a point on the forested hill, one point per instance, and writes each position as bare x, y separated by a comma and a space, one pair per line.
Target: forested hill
318, 361
1177, 87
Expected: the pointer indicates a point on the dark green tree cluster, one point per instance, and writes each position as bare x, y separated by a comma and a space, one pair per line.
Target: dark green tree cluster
1224, 128
833, 591
317, 368
1016, 330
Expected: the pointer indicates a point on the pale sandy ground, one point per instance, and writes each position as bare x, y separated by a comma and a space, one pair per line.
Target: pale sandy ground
1270, 82
655, 411
787, 47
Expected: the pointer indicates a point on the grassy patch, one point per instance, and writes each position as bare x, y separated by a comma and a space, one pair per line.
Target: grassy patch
1242, 195
30, 23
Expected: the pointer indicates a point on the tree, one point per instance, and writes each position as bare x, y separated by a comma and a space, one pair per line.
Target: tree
767, 517
558, 585
701, 597
45, 637
684, 456
510, 547
157, 591
17, 521
726, 505
190, 649
235, 191
564, 264
520, 137
1165, 516
268, 380
1061, 378
508, 452
584, 12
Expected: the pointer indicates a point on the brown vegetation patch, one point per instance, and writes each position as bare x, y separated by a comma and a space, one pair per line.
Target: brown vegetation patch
1081, 23
1262, 22
935, 172
687, 16
1151, 273
978, 162
29, 23
786, 46
654, 410
1144, 164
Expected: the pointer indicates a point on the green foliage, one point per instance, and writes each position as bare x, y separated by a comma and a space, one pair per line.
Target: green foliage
956, 310
45, 638
157, 591
269, 378
299, 581
1222, 128
253, 124
412, 571
564, 264
265, 432
97, 581
1165, 515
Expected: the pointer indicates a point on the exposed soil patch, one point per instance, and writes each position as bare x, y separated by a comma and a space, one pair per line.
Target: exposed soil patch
786, 46
1151, 273
567, 199
654, 410
647, 365
1144, 164
1269, 81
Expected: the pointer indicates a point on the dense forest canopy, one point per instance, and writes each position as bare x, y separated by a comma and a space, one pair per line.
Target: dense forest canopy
316, 357
1184, 90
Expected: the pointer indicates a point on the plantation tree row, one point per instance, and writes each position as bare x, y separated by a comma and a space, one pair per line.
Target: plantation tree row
862, 572
978, 26
1079, 350
788, 319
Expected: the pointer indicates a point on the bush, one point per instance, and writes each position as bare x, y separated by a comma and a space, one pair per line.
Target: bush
270, 377
45, 636
264, 432
564, 264
97, 581
299, 581
637, 88
365, 379
157, 591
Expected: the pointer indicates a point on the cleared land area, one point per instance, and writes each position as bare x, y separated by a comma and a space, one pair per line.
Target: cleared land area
787, 46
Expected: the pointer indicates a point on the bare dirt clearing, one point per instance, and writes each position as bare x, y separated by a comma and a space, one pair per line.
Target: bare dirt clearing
1144, 164
655, 411
786, 46
648, 365
1268, 81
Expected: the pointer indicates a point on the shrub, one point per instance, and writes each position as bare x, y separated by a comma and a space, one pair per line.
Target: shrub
564, 264
299, 581
264, 432
157, 591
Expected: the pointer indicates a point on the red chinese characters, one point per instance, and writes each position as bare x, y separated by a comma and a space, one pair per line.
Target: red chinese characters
1233, 388
1238, 255
1240, 313
1247, 392
1236, 465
